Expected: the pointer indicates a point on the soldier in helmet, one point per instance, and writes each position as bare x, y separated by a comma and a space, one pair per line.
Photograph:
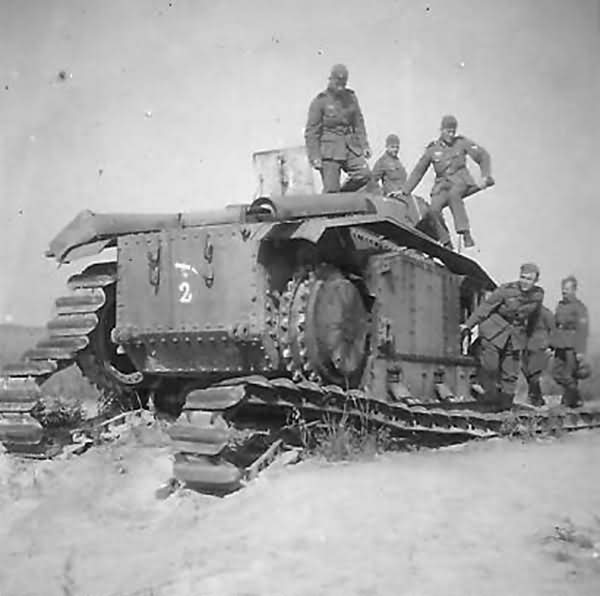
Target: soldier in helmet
537, 353
390, 173
505, 320
453, 181
569, 341
335, 135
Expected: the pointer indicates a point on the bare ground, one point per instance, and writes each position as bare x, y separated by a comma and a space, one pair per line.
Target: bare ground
501, 517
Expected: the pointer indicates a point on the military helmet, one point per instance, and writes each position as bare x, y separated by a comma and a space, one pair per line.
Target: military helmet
339, 71
449, 121
392, 140
584, 370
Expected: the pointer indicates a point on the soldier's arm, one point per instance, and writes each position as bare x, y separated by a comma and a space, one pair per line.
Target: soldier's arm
378, 171
418, 172
582, 330
486, 308
314, 127
480, 156
359, 126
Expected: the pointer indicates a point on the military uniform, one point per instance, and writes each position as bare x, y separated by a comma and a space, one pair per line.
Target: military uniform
389, 171
505, 318
335, 134
453, 180
569, 339
534, 359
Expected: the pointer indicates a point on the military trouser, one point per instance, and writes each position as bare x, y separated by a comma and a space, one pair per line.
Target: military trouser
450, 194
434, 225
563, 372
533, 363
356, 167
499, 370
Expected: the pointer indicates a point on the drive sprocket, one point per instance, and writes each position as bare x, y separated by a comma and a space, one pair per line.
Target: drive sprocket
324, 327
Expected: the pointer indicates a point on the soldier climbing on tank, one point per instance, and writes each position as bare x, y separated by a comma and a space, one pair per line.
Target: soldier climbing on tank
336, 137
453, 181
569, 342
391, 175
505, 320
535, 357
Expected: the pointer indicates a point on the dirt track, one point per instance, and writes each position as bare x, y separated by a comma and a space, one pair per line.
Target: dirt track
474, 520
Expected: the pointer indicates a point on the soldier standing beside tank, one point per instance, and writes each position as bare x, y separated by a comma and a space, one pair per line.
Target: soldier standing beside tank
505, 318
453, 181
390, 173
335, 135
536, 355
569, 341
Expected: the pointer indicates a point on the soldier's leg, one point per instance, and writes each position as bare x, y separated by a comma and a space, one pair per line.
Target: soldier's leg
358, 172
489, 368
533, 363
457, 207
509, 374
330, 175
563, 371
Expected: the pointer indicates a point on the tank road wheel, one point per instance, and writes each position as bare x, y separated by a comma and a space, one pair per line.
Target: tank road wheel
104, 365
324, 328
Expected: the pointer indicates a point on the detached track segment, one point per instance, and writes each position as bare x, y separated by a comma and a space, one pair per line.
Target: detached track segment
68, 334
204, 431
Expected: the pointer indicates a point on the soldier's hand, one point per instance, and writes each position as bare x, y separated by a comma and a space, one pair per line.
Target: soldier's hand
463, 329
579, 357
367, 153
316, 163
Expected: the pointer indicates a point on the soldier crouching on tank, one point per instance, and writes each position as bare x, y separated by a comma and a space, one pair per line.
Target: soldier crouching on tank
453, 181
389, 172
535, 357
335, 135
569, 342
504, 319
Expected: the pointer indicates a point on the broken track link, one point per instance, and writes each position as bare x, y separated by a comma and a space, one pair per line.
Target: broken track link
68, 334
203, 434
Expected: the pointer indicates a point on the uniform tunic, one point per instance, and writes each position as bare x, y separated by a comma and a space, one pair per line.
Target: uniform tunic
505, 321
453, 180
335, 133
390, 172
569, 339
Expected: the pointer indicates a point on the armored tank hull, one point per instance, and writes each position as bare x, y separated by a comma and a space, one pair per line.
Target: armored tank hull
286, 309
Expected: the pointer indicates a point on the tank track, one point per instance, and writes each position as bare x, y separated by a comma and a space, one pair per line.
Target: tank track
204, 433
68, 335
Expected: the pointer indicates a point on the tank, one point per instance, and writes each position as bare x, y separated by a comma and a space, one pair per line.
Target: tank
295, 304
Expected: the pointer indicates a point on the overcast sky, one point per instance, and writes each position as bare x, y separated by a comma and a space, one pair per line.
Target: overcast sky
169, 99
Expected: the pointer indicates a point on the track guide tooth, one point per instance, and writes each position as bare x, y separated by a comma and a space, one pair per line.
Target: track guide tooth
75, 324
95, 276
81, 301
20, 428
200, 471
50, 353
215, 398
190, 438
37, 368
74, 343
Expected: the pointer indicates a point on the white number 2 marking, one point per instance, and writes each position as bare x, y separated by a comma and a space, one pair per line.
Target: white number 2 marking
186, 292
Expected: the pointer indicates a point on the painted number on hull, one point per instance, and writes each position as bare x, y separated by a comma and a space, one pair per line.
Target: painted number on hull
185, 295
185, 288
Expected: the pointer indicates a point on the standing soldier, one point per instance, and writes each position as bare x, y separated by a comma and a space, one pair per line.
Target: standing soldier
335, 135
536, 355
504, 319
569, 341
453, 181
388, 168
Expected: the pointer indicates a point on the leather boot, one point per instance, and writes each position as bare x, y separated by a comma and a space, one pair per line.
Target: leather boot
535, 393
571, 398
468, 239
